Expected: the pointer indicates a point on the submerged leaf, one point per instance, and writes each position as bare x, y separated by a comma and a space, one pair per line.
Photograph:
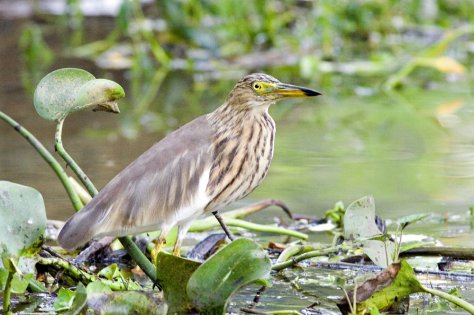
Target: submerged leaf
22, 219
68, 90
239, 263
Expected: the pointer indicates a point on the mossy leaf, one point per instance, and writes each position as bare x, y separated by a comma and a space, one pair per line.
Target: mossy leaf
22, 220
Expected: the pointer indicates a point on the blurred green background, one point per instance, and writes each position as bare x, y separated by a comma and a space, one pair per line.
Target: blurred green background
395, 119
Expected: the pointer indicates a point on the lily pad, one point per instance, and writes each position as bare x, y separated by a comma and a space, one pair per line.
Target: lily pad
68, 90
22, 220
213, 283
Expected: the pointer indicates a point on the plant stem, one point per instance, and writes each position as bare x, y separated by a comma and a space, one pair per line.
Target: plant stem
311, 254
453, 252
70, 161
207, 223
133, 250
85, 277
451, 298
48, 157
7, 292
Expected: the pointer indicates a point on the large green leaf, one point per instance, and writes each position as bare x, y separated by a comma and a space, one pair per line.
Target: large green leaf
68, 90
239, 263
22, 219
172, 274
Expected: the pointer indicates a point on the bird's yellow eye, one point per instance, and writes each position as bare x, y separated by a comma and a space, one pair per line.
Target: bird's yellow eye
257, 86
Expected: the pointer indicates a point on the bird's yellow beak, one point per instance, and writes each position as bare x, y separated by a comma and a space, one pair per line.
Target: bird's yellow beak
289, 90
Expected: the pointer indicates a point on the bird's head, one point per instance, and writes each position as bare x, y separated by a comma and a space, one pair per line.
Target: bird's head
260, 89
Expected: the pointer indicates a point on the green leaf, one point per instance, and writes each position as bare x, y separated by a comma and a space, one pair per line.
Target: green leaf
97, 287
391, 285
100, 95
64, 300
173, 274
237, 264
359, 223
19, 283
110, 272
359, 219
68, 90
381, 253
80, 300
413, 218
22, 220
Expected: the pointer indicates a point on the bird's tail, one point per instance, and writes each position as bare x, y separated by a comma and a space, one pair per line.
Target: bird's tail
75, 232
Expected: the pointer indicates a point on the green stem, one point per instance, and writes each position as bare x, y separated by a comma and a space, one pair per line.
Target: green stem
311, 254
85, 277
293, 251
7, 293
133, 250
210, 222
48, 157
70, 161
451, 298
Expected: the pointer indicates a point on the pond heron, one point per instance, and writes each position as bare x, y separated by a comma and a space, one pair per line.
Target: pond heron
203, 166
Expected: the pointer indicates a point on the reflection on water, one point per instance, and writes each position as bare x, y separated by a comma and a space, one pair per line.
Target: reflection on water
411, 151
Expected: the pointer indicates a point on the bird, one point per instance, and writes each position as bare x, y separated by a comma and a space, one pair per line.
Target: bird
200, 168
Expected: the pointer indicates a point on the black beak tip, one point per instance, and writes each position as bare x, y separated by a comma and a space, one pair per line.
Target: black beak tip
309, 92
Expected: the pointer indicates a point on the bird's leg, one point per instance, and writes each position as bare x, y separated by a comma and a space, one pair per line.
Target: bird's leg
182, 230
229, 234
155, 251
159, 244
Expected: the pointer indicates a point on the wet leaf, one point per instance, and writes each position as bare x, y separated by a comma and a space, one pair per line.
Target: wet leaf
391, 285
64, 300
237, 264
22, 220
68, 90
